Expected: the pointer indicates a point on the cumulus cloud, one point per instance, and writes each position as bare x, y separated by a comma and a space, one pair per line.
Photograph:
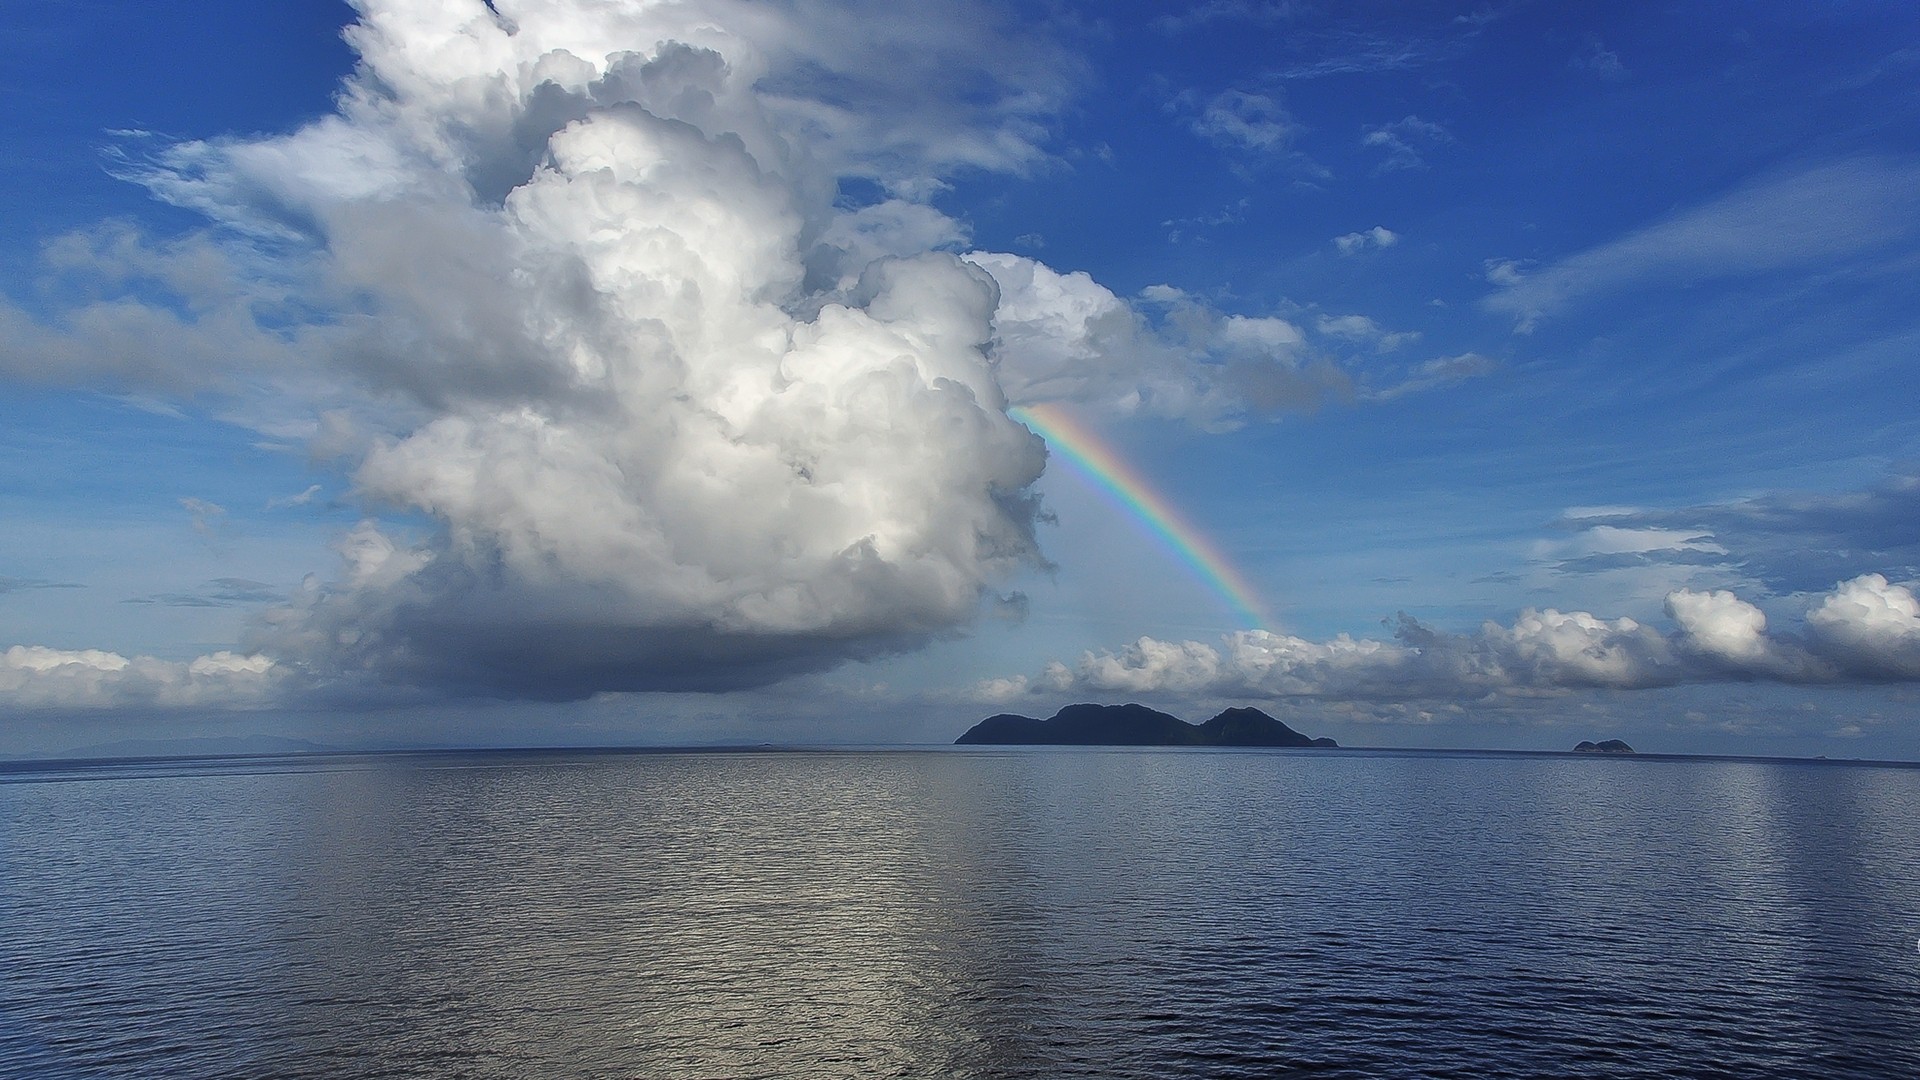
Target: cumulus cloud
1863, 628
33, 676
1354, 243
1870, 627
1785, 220
646, 311
575, 281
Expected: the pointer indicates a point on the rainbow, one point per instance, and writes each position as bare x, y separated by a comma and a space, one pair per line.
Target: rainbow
1110, 474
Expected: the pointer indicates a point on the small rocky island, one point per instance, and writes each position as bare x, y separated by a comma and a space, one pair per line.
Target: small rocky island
1135, 725
1610, 746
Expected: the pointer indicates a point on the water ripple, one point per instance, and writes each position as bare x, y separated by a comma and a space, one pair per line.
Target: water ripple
1023, 913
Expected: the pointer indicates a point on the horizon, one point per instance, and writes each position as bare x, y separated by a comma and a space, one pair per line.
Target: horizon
202, 748
1446, 376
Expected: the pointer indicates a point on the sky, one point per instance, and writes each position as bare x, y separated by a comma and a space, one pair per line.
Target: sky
563, 373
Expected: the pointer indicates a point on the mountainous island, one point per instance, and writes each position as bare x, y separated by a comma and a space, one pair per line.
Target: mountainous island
1135, 725
1608, 746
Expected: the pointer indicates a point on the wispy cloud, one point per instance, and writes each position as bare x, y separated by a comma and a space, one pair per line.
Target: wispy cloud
1801, 218
1331, 53
220, 592
1600, 60
1241, 120
1224, 11
1436, 374
301, 499
1361, 330
1786, 542
15, 584
1405, 141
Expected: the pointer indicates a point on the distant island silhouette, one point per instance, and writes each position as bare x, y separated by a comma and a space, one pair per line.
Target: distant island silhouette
1610, 746
1135, 725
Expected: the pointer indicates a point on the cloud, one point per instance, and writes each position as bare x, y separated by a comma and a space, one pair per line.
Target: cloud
1724, 628
302, 499
220, 592
1362, 330
1404, 141
15, 584
1065, 337
640, 320
1788, 542
208, 518
1814, 215
1870, 627
1245, 121
1215, 11
1435, 374
1354, 243
1179, 228
1600, 60
1864, 628
36, 677
579, 290
1339, 51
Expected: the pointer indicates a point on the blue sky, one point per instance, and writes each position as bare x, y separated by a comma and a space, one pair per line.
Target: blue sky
1547, 368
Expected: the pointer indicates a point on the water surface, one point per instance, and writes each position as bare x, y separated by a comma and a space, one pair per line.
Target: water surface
989, 912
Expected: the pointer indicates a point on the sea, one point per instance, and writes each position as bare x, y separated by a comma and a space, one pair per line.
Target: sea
961, 912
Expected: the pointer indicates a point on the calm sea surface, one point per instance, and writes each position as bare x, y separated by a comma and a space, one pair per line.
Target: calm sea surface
990, 913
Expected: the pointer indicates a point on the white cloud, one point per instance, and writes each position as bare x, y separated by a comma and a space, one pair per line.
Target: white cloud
1720, 624
1786, 220
1871, 627
1354, 243
575, 286
1863, 628
1360, 329
37, 677
302, 499
580, 287
1434, 374
1065, 337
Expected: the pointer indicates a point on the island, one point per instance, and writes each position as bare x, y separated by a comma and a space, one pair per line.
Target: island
1610, 746
1135, 725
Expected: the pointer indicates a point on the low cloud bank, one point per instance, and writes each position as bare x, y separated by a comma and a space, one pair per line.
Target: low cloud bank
34, 676
1864, 630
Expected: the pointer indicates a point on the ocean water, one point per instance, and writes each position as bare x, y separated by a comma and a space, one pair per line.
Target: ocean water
964, 913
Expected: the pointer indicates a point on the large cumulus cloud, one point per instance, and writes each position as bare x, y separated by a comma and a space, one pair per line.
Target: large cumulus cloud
639, 317
1865, 628
680, 421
